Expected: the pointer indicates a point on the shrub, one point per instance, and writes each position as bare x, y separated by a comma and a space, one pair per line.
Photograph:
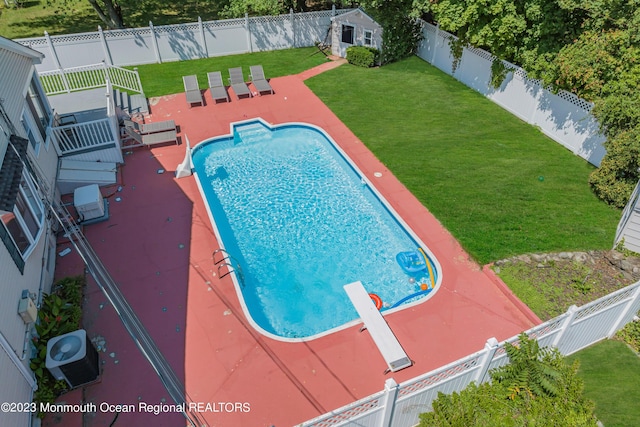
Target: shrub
630, 334
537, 385
362, 56
60, 313
618, 173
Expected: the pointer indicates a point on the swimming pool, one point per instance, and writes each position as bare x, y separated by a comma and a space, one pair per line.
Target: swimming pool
299, 221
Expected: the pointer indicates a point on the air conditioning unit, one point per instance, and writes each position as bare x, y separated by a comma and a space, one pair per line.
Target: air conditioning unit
72, 357
88, 202
27, 310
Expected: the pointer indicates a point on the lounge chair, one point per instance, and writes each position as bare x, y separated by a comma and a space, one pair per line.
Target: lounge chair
218, 91
147, 128
150, 139
236, 80
259, 81
192, 90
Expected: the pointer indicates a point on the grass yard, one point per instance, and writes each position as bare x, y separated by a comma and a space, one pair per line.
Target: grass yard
164, 79
611, 373
34, 17
498, 184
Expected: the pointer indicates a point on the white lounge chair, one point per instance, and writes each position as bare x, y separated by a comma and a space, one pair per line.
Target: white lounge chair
379, 330
236, 80
259, 80
147, 128
150, 139
192, 90
216, 87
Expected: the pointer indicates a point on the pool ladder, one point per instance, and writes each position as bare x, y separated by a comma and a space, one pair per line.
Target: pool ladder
226, 261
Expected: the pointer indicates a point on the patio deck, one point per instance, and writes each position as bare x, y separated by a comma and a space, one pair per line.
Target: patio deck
158, 243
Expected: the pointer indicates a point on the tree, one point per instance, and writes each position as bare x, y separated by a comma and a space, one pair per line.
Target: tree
619, 170
238, 8
401, 33
531, 370
109, 12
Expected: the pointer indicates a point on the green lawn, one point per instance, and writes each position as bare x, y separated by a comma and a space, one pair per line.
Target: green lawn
611, 373
76, 16
164, 79
498, 184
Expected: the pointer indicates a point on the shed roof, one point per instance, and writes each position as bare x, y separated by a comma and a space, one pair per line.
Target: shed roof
353, 13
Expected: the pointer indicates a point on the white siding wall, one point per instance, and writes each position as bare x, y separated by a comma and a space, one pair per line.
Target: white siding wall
17, 71
14, 389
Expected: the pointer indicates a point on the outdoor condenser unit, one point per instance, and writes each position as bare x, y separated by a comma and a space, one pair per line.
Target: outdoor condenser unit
88, 202
72, 357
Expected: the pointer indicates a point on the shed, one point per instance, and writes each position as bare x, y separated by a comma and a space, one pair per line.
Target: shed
354, 28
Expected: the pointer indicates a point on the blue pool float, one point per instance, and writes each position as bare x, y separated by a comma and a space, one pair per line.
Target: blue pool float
411, 262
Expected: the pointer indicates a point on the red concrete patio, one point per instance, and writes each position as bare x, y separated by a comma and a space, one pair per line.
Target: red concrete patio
158, 245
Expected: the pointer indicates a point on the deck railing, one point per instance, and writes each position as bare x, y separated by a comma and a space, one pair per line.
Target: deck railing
84, 137
89, 77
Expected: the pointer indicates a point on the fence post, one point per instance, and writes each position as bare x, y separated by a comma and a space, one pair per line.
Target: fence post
140, 89
105, 47
618, 324
154, 42
203, 41
248, 32
333, 9
293, 28
388, 402
435, 44
490, 348
571, 314
54, 56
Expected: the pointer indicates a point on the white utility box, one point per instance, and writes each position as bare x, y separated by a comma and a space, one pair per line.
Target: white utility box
27, 310
88, 202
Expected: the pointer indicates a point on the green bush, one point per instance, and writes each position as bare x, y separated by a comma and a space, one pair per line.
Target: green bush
618, 173
630, 334
60, 313
362, 56
537, 385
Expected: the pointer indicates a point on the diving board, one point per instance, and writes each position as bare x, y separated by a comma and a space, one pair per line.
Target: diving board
382, 335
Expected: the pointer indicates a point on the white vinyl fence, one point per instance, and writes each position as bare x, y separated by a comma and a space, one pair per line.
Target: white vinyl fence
562, 116
165, 43
400, 405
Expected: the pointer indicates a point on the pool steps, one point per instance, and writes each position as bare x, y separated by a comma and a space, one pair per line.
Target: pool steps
252, 132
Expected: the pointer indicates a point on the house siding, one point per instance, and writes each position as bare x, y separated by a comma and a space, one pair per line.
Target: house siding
18, 71
14, 389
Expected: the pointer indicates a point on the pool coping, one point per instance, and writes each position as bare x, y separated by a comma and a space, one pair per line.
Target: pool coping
272, 127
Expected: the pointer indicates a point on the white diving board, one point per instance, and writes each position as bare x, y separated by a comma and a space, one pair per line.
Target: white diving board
379, 330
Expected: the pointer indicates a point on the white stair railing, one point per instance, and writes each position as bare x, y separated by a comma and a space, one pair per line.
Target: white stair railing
89, 77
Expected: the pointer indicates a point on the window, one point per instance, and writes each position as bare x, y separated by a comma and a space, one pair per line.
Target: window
30, 129
368, 37
348, 32
39, 109
26, 220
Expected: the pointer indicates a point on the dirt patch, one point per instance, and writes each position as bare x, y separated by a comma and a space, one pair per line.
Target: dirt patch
550, 283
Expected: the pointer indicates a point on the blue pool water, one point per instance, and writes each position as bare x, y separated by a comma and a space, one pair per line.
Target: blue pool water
299, 222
